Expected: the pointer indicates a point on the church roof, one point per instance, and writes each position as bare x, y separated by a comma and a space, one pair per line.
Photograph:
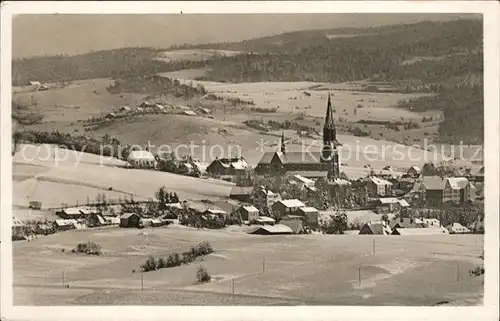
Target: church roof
292, 157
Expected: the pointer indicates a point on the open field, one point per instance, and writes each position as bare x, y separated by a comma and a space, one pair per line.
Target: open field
294, 96
267, 270
77, 177
79, 100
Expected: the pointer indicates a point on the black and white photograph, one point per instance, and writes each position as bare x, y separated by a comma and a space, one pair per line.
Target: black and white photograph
190, 158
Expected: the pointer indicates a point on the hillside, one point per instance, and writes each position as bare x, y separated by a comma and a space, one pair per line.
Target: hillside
115, 63
445, 58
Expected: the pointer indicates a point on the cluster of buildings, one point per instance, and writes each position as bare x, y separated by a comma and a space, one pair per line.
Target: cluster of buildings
153, 107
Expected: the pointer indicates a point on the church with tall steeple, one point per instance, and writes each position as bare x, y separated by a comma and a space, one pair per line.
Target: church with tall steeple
310, 164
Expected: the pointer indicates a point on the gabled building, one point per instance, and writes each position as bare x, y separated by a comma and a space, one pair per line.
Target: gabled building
375, 228
228, 167
414, 172
249, 213
287, 207
376, 186
437, 191
141, 159
263, 198
457, 228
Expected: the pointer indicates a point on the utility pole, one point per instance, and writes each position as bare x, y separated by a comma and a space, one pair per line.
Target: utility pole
233, 285
359, 275
263, 264
458, 272
374, 246
63, 283
142, 281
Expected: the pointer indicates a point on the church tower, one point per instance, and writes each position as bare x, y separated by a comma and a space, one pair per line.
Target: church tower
329, 153
283, 147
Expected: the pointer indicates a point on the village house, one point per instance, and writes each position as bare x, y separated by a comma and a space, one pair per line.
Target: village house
228, 168
431, 222
376, 186
272, 230
241, 193
249, 213
390, 205
38, 86
414, 172
67, 224
215, 213
375, 228
263, 199
457, 228
125, 109
419, 231
287, 207
95, 220
130, 220
311, 216
141, 159
436, 191
77, 212
407, 222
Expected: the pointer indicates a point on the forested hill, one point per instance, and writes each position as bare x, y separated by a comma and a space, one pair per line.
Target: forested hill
116, 63
425, 52
445, 58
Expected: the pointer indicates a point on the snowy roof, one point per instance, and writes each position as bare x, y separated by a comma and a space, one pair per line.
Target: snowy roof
241, 190
394, 200
266, 191
266, 219
379, 181
432, 222
292, 203
215, 211
303, 179
250, 208
127, 215
416, 168
16, 222
457, 227
458, 182
419, 231
308, 209
141, 154
278, 228
189, 113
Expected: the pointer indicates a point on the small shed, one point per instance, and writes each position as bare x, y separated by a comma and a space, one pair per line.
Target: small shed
130, 220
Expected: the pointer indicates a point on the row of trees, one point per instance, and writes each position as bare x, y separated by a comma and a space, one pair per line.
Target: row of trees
176, 259
155, 85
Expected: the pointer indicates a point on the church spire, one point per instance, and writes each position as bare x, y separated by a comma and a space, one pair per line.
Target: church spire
283, 148
329, 131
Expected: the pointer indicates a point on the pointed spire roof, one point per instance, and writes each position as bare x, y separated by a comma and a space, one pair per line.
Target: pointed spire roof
329, 120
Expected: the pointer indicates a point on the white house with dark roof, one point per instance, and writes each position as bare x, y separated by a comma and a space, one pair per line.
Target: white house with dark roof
141, 159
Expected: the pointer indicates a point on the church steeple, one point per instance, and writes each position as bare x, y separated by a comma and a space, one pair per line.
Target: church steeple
329, 153
283, 148
329, 131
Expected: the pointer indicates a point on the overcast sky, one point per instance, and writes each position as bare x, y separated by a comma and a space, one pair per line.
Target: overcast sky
72, 34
